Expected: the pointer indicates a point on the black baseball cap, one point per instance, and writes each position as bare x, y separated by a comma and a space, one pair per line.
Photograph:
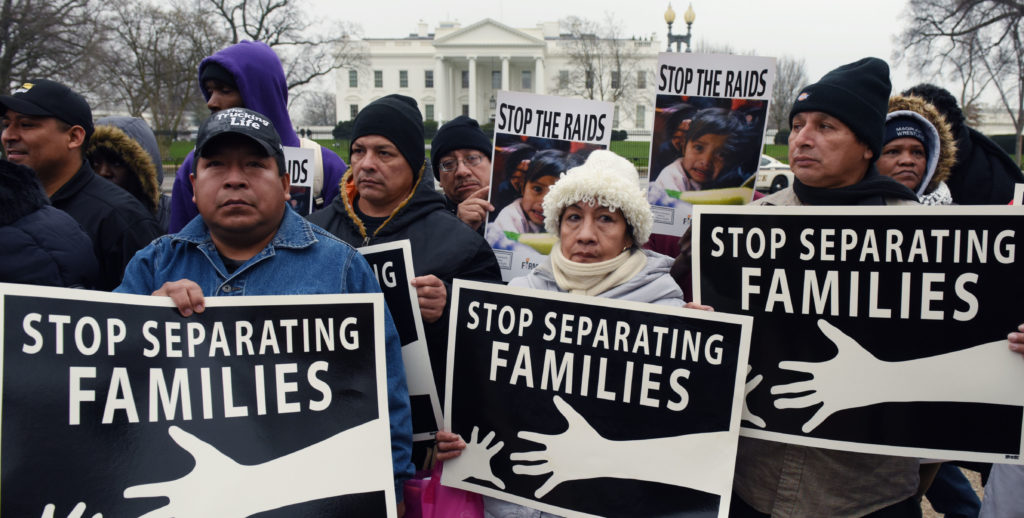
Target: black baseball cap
241, 121
45, 98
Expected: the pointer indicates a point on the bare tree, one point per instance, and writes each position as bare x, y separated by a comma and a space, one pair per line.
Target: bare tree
319, 109
149, 61
976, 41
603, 64
307, 50
790, 77
45, 38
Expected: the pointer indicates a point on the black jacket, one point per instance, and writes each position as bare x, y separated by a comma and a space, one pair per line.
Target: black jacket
441, 245
117, 223
41, 245
984, 174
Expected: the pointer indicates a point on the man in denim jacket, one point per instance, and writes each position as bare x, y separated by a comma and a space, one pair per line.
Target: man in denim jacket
247, 241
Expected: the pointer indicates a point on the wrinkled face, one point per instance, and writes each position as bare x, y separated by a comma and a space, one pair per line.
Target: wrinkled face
463, 172
222, 96
43, 143
110, 166
533, 198
237, 189
592, 233
904, 160
825, 153
382, 176
705, 157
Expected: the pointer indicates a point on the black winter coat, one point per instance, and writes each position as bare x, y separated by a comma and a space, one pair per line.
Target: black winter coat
441, 245
39, 244
983, 174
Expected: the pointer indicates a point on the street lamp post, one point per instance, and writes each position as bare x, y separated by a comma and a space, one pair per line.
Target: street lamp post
670, 16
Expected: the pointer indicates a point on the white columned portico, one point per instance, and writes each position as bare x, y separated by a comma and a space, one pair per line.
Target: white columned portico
441, 91
504, 73
538, 81
472, 87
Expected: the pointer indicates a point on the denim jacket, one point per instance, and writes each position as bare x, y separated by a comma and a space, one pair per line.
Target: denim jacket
301, 259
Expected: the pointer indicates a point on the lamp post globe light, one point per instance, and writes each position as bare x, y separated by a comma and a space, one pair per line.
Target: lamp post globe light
670, 16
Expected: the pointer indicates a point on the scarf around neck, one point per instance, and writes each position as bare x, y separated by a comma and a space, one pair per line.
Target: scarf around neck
873, 189
595, 278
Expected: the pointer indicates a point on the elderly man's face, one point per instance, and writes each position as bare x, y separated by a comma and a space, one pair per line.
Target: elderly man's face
463, 172
382, 176
824, 152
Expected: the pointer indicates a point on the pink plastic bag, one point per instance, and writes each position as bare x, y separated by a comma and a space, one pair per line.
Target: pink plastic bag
427, 498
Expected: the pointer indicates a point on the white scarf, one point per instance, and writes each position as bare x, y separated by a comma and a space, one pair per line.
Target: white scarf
595, 278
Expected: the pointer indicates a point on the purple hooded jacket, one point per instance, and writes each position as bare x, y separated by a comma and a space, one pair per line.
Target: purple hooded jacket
261, 82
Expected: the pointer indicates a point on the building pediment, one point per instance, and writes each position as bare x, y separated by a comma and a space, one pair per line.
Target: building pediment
487, 33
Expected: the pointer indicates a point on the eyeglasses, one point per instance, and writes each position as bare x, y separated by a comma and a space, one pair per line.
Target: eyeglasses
450, 165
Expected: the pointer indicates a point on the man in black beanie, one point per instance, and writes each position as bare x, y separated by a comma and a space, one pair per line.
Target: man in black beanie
461, 156
837, 129
386, 197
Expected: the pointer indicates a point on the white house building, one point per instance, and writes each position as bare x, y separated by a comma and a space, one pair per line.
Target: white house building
458, 70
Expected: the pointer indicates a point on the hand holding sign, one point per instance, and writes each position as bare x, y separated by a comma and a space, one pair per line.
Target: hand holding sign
77, 512
1017, 340
432, 296
848, 380
749, 387
475, 459
473, 210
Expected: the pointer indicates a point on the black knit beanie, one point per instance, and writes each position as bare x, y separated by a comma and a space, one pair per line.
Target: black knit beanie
396, 118
857, 94
458, 133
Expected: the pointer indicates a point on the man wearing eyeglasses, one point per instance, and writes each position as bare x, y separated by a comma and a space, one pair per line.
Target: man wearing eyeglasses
461, 156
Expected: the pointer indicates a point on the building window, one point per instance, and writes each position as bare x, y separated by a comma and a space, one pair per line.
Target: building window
403, 79
615, 79
428, 78
563, 78
353, 110
378, 79
615, 117
641, 115
641, 79
353, 78
465, 110
527, 80
465, 78
428, 110
496, 79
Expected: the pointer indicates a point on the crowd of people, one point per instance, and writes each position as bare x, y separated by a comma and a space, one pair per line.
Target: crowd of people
80, 207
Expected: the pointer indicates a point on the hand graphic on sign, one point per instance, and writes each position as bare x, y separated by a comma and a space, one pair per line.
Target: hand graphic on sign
752, 384
475, 460
580, 452
855, 378
77, 512
219, 486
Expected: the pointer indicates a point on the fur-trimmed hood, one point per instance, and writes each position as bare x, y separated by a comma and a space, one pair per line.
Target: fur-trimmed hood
20, 192
138, 160
945, 158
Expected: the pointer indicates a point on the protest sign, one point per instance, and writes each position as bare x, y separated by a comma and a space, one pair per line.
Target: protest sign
392, 264
274, 406
634, 407
536, 139
709, 126
301, 166
876, 329
1018, 194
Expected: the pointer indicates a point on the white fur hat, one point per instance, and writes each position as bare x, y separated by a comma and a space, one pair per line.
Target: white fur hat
612, 182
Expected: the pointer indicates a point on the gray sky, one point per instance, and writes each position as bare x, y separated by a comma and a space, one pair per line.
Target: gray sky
825, 33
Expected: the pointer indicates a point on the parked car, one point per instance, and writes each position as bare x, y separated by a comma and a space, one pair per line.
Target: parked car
771, 164
772, 176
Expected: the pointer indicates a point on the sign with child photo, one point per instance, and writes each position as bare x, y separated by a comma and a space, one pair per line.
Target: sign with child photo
536, 139
711, 112
584, 406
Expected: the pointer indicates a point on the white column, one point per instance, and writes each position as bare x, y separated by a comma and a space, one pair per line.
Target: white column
504, 73
472, 87
440, 90
538, 80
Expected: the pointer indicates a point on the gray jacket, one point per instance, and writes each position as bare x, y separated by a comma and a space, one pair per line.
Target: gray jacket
652, 285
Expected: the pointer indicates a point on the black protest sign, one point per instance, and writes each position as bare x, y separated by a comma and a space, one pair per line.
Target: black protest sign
274, 406
634, 408
876, 329
392, 264
300, 164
